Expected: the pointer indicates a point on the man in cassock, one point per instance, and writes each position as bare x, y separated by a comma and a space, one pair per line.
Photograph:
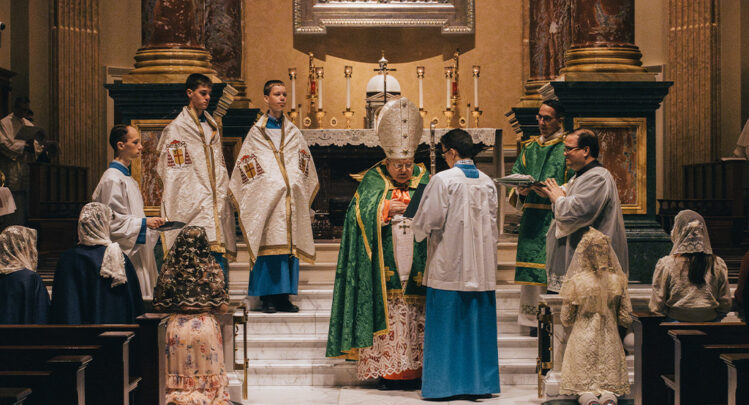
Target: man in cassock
541, 157
377, 315
274, 182
130, 228
590, 198
95, 282
458, 213
192, 170
14, 157
23, 296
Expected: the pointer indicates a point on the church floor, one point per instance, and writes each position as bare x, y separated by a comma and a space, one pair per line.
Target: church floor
518, 394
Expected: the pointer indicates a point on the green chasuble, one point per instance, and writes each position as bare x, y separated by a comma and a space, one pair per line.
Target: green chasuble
366, 272
542, 161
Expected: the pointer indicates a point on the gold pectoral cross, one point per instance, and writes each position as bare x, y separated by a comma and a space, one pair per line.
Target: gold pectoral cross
389, 273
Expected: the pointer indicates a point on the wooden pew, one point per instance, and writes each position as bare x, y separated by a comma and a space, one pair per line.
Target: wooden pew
13, 396
129, 357
60, 381
699, 374
738, 370
654, 352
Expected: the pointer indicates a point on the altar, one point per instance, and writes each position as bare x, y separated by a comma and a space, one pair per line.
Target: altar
338, 153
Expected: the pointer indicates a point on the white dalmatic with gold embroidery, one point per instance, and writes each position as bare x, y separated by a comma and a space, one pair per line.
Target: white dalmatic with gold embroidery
196, 181
274, 182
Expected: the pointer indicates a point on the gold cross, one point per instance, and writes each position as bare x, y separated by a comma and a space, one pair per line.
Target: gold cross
418, 278
178, 156
389, 273
250, 169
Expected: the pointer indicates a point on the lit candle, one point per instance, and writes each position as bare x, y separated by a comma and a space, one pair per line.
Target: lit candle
448, 85
420, 76
347, 72
292, 77
319, 72
476, 71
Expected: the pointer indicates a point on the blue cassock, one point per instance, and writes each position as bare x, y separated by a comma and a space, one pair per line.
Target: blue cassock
81, 296
23, 298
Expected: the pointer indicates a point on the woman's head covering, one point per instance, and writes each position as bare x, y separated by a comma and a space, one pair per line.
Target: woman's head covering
689, 234
190, 276
595, 276
93, 230
17, 249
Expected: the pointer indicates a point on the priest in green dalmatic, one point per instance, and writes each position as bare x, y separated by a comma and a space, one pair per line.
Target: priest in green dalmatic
377, 315
542, 157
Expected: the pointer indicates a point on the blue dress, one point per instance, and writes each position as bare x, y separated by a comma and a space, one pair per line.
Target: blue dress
81, 296
23, 298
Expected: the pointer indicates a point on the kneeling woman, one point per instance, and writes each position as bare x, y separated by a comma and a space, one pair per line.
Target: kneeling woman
191, 286
23, 297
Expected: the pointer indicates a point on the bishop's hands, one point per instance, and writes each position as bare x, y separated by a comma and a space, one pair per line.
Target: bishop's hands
550, 189
155, 222
396, 207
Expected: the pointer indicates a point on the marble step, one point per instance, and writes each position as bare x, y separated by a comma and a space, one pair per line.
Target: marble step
312, 322
343, 373
311, 347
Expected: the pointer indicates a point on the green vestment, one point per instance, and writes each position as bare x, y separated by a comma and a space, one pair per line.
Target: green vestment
542, 161
366, 272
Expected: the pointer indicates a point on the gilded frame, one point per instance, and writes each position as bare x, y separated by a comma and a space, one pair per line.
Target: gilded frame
233, 143
635, 201
148, 180
452, 16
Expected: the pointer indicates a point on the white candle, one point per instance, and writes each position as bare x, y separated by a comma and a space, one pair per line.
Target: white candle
447, 92
475, 91
319, 93
293, 93
348, 93
421, 93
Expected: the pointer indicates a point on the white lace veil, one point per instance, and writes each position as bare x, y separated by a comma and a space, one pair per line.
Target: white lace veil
689, 234
595, 276
17, 249
93, 230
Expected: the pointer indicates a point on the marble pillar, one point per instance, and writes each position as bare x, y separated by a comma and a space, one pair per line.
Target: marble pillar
224, 40
173, 43
549, 36
603, 42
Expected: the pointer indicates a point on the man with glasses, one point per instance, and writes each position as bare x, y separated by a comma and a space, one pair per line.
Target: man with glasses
590, 199
377, 315
543, 158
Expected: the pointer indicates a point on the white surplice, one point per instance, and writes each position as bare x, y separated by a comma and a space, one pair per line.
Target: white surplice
462, 248
122, 195
12, 151
592, 200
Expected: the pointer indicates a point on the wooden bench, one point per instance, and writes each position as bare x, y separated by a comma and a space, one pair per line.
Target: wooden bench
60, 381
128, 360
655, 352
14, 396
738, 370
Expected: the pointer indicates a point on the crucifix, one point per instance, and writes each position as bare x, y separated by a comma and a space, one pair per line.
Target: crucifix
404, 226
384, 70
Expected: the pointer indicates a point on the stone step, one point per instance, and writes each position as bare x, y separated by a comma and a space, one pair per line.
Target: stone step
311, 347
330, 372
316, 323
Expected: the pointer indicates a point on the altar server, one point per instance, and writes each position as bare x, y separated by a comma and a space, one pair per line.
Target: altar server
195, 178
23, 297
130, 228
458, 213
95, 282
274, 182
377, 315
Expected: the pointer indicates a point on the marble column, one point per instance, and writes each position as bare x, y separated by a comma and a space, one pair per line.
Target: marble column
172, 38
603, 41
75, 86
549, 36
224, 40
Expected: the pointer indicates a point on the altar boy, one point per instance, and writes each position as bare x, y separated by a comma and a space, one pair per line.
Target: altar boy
196, 182
274, 182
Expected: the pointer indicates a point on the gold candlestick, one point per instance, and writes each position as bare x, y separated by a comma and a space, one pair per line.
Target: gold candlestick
293, 114
319, 114
476, 113
348, 114
423, 114
448, 117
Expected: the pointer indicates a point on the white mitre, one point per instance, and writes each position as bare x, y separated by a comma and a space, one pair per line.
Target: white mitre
399, 127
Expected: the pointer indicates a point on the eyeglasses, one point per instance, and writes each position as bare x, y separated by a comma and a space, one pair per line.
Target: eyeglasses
567, 149
401, 166
444, 152
545, 118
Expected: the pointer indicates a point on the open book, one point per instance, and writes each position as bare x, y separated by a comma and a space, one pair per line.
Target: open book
518, 180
